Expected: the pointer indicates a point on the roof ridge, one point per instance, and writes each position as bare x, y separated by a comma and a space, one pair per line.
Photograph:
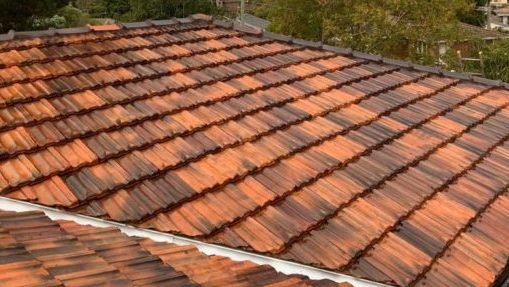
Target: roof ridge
235, 25
359, 54
21, 35
386, 60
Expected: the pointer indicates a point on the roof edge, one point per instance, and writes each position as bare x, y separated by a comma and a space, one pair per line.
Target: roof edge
502, 279
255, 31
280, 265
20, 35
390, 61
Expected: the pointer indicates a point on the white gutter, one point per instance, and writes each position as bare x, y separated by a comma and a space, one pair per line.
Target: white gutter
283, 266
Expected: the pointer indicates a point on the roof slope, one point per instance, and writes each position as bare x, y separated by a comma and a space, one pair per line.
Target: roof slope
470, 31
36, 251
340, 162
502, 11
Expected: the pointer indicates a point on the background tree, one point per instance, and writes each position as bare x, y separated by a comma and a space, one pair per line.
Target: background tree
397, 28
105, 8
474, 16
496, 60
139, 10
297, 18
164, 9
495, 57
19, 14
43, 14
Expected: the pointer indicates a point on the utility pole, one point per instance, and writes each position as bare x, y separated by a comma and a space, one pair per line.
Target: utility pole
242, 11
488, 14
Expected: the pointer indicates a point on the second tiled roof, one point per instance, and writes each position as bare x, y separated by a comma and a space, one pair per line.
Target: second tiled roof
300, 153
37, 251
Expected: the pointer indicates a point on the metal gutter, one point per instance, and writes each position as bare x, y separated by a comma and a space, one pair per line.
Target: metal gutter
282, 266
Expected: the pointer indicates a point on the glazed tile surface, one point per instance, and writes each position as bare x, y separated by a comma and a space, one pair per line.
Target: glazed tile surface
343, 163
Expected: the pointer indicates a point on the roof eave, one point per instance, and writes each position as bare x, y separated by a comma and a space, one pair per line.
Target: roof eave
282, 266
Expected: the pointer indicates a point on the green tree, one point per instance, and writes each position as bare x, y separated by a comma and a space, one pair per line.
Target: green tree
84, 5
20, 14
74, 17
397, 28
163, 9
473, 16
107, 8
56, 21
297, 18
496, 60
138, 10
67, 16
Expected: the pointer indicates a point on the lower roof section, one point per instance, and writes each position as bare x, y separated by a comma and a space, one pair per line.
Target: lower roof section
62, 249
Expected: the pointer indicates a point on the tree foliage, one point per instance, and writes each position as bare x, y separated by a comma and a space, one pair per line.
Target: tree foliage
106, 8
138, 10
42, 14
74, 17
473, 16
20, 14
56, 21
68, 16
496, 60
387, 27
297, 18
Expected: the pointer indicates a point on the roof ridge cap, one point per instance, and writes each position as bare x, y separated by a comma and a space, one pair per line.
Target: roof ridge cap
31, 34
435, 70
235, 25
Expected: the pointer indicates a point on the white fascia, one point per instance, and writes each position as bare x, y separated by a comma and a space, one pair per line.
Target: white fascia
282, 266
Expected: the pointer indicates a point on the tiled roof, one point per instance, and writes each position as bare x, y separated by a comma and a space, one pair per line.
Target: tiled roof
347, 162
36, 251
502, 11
470, 31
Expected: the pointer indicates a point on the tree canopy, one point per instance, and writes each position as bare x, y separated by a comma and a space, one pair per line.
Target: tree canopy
42, 14
473, 16
137, 10
386, 27
496, 60
19, 14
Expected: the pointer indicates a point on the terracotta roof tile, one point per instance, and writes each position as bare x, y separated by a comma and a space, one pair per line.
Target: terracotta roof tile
36, 251
340, 161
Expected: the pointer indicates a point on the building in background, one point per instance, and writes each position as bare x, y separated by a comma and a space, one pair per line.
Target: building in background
233, 6
499, 19
470, 35
499, 2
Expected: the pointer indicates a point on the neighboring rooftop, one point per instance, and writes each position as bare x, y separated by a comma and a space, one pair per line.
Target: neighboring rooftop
502, 11
255, 21
36, 251
233, 6
342, 161
475, 32
498, 19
